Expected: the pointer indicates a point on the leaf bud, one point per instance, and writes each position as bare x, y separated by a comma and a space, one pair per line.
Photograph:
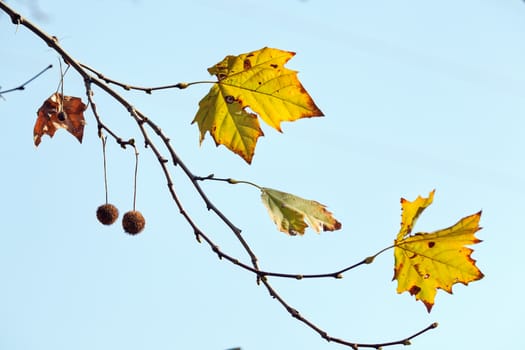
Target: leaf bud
369, 260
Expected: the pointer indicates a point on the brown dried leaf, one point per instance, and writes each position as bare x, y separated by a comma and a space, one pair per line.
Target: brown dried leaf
60, 112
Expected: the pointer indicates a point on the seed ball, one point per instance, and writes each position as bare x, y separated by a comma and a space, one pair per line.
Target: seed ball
133, 222
107, 214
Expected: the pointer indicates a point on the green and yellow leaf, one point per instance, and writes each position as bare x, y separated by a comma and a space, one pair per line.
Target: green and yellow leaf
257, 80
425, 262
229, 124
292, 214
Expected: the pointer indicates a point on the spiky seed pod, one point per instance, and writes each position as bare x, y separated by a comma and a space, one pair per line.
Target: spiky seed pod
133, 222
107, 214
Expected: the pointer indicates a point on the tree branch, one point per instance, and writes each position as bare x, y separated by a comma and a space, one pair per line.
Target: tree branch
143, 122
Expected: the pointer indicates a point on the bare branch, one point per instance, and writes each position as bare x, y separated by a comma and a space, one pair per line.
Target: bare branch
23, 85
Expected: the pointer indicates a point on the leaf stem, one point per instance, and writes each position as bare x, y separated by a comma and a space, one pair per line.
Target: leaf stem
104, 139
135, 175
234, 182
211, 177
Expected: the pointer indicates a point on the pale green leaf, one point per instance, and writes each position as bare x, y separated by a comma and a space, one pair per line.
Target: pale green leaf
292, 214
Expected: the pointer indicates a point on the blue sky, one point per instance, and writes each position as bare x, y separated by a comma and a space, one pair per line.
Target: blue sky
417, 96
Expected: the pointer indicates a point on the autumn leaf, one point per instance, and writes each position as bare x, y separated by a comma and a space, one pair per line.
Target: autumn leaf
425, 262
229, 124
60, 112
257, 80
293, 214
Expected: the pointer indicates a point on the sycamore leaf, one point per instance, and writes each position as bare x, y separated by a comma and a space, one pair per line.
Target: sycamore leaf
425, 262
257, 80
229, 124
293, 214
60, 112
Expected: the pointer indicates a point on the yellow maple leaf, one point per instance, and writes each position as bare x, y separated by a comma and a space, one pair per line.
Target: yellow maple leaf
257, 80
292, 214
425, 262
228, 123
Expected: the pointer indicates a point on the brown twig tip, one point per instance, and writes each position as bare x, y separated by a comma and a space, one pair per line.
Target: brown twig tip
217, 251
16, 18
434, 325
202, 178
294, 312
197, 234
121, 142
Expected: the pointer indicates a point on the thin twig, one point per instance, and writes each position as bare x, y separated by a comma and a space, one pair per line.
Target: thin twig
209, 205
23, 86
100, 124
147, 90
